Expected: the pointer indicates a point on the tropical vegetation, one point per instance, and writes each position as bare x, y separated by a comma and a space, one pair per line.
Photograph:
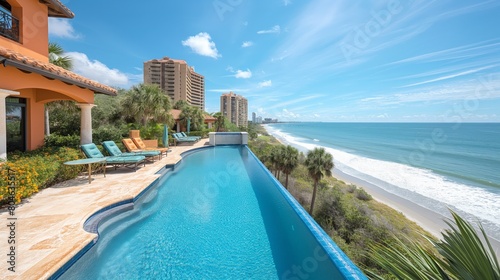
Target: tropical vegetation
34, 171
377, 238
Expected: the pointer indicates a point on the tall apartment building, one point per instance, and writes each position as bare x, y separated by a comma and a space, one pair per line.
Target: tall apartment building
235, 108
177, 79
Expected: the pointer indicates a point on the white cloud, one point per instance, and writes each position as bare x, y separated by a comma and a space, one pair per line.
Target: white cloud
240, 74
62, 28
275, 29
202, 44
98, 71
287, 2
247, 44
267, 83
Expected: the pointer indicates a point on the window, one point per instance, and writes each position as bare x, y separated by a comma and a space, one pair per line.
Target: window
16, 124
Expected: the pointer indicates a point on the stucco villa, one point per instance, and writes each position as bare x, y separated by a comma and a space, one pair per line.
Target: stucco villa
28, 81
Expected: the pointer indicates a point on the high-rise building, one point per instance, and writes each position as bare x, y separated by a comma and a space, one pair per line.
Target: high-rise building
254, 117
177, 79
235, 108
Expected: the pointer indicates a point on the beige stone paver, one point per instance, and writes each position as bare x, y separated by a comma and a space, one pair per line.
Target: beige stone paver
49, 227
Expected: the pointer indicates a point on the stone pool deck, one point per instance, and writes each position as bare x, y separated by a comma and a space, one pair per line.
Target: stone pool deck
49, 226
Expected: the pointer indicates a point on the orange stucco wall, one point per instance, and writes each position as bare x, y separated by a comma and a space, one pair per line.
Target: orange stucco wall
33, 33
38, 91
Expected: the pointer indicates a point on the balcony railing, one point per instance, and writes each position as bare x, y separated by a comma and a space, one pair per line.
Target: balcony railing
9, 26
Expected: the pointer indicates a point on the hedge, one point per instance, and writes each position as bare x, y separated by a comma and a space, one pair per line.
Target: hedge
35, 170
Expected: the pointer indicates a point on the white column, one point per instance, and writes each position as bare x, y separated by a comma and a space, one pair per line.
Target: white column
85, 123
3, 123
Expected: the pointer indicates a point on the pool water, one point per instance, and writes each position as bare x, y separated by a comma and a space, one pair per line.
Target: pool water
217, 215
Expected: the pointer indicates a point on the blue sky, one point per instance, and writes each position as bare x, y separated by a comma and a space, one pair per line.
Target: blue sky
316, 60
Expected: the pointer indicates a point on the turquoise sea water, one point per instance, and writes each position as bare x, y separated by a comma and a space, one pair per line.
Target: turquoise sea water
436, 165
218, 215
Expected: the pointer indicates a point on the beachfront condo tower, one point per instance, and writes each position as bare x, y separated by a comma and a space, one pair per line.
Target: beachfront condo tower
235, 108
177, 79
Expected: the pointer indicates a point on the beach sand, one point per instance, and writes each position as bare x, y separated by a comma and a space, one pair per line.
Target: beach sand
430, 221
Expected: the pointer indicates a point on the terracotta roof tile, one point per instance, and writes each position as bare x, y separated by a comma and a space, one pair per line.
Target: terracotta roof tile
58, 9
13, 55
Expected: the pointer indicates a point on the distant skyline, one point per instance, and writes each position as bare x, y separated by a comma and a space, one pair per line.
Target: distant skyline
318, 60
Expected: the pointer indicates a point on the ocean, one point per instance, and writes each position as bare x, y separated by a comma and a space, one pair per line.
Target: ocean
435, 165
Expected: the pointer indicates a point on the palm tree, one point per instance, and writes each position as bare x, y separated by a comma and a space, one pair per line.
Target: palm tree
56, 57
462, 255
180, 104
145, 103
277, 160
195, 115
220, 122
290, 161
319, 164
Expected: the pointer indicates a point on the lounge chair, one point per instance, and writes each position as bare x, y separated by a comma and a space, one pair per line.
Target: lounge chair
179, 139
137, 145
91, 151
180, 136
113, 150
194, 137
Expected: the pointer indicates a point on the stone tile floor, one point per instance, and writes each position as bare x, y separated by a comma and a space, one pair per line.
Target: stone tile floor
49, 226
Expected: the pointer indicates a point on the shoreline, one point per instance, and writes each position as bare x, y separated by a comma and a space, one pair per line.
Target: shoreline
430, 221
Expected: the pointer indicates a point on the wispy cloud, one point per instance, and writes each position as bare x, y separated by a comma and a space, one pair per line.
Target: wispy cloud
226, 90
294, 101
267, 83
481, 88
461, 52
62, 28
451, 76
247, 44
202, 44
274, 29
287, 2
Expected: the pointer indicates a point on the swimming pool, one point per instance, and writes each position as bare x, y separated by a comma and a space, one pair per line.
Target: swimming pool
217, 215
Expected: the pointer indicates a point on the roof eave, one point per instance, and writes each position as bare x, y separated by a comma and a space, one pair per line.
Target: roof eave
57, 9
49, 75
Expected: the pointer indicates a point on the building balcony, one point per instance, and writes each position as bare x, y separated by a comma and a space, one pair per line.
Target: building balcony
9, 26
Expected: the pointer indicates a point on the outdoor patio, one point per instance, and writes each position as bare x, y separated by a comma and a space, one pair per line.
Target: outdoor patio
49, 226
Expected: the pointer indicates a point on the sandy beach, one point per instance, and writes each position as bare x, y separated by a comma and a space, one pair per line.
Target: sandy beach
432, 222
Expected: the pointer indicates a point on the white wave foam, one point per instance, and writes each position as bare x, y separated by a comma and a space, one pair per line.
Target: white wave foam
414, 181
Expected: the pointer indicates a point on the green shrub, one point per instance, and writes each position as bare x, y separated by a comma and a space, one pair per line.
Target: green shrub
351, 188
55, 140
36, 170
109, 132
361, 194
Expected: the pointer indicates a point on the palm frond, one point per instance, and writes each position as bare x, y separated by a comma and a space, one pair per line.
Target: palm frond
465, 253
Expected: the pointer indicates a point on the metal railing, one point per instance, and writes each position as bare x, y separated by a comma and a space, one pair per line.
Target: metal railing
9, 26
